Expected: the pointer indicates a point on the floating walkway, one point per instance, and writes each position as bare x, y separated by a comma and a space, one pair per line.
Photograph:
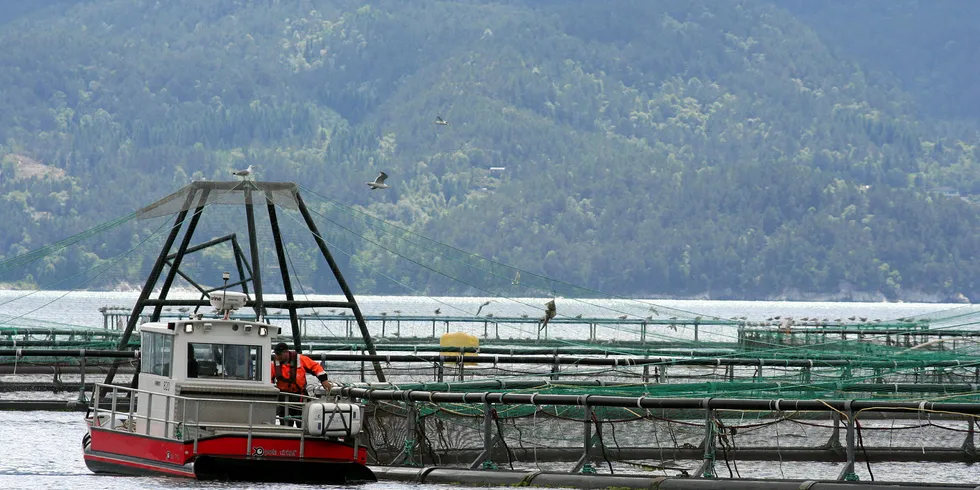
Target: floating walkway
504, 478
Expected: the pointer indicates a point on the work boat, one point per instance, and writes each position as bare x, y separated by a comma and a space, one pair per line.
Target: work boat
206, 408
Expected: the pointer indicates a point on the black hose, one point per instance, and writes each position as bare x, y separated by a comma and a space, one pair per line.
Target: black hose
732, 431
867, 461
598, 431
440, 429
724, 451
500, 434
727, 444
420, 431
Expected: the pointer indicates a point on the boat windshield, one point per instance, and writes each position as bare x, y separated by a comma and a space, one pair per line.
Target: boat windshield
224, 361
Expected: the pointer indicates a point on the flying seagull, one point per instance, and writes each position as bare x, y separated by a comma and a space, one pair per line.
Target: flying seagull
379, 183
549, 312
243, 173
517, 279
481, 307
442, 122
438, 311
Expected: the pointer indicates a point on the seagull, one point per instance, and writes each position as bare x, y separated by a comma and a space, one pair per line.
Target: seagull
243, 173
438, 311
549, 312
517, 279
379, 183
578, 316
442, 122
622, 317
481, 307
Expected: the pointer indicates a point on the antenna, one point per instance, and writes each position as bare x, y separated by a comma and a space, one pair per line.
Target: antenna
224, 291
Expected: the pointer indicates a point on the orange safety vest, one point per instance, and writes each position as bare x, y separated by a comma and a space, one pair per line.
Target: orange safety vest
290, 376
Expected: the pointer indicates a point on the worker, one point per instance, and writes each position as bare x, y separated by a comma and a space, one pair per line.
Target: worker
289, 375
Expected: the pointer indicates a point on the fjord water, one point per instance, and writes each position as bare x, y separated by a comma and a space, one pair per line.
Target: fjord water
43, 449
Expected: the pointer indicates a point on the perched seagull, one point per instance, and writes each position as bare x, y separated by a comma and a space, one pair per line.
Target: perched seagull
379, 183
442, 122
243, 173
481, 307
549, 312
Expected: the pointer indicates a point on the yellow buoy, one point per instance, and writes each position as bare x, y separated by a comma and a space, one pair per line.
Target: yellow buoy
459, 339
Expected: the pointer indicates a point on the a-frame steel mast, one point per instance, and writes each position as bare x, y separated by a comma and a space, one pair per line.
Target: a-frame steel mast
194, 199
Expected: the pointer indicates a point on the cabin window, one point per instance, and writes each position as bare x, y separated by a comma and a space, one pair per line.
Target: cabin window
224, 361
156, 354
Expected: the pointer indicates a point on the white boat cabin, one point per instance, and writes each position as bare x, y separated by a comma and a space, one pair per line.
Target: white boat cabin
207, 360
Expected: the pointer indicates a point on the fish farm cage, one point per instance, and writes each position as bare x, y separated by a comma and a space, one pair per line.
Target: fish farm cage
851, 393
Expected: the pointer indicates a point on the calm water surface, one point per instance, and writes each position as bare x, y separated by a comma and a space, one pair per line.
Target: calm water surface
44, 450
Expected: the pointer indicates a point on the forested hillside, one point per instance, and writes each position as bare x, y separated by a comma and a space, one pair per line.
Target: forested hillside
642, 148
927, 47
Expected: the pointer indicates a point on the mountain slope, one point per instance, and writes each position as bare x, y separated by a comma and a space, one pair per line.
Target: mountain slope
664, 148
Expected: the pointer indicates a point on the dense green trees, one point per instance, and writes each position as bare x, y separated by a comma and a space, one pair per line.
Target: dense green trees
648, 148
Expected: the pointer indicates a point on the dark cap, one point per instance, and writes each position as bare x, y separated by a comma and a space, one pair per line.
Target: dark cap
280, 348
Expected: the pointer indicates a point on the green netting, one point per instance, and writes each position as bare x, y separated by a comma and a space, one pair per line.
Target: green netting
36, 254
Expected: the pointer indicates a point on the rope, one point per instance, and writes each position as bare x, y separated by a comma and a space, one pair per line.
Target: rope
39, 253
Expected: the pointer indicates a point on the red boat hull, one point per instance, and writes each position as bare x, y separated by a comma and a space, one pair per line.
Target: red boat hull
226, 457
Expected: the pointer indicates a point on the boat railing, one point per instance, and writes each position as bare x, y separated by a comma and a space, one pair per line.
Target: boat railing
194, 428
